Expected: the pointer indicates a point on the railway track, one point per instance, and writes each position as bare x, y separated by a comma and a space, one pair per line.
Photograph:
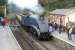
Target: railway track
50, 45
27, 42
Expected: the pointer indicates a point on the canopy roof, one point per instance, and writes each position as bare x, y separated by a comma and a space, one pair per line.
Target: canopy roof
63, 11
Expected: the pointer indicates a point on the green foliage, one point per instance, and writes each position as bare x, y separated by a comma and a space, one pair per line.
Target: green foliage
3, 2
58, 4
13, 8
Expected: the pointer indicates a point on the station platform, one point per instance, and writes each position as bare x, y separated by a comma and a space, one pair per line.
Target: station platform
62, 40
7, 39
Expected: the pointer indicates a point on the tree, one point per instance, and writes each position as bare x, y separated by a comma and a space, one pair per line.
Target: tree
58, 4
3, 2
43, 3
3, 5
13, 8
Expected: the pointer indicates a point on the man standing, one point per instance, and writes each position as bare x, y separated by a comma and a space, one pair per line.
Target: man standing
60, 28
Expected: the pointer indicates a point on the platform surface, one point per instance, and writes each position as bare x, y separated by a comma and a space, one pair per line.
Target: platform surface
64, 37
7, 39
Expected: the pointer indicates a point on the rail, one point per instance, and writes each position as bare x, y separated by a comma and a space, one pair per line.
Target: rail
32, 43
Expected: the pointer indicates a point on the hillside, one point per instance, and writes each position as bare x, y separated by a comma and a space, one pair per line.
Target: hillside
58, 4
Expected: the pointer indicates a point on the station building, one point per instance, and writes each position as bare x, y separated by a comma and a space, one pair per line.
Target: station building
62, 16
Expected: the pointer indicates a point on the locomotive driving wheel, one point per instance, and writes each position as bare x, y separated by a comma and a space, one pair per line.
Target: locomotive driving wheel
33, 32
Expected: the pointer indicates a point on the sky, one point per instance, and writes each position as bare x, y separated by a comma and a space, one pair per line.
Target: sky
25, 3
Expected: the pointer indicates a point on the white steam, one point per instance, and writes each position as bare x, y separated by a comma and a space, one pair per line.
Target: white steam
33, 5
38, 9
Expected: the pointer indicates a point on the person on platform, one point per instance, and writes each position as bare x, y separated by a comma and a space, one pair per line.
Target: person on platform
4, 21
60, 28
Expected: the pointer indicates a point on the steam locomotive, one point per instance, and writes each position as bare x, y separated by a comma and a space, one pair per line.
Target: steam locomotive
37, 25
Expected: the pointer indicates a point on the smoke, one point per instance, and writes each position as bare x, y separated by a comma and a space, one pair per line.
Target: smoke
33, 5
38, 9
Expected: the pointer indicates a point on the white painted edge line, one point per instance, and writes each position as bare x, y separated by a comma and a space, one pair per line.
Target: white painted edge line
15, 39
